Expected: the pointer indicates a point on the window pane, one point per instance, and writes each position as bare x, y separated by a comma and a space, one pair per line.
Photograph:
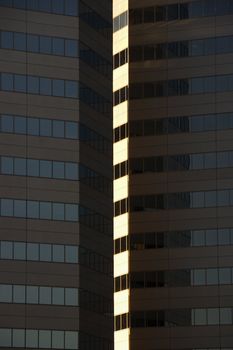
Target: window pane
58, 211
45, 339
211, 237
71, 212
58, 6
33, 251
20, 41
32, 295
58, 170
71, 7
45, 5
45, 86
45, 168
58, 296
226, 316
45, 43
33, 85
71, 89
71, 340
45, 252
7, 165
57, 340
20, 125
225, 276
33, 43
18, 338
32, 167
58, 253
71, 254
5, 294
213, 316
200, 317
71, 48
58, 128
7, 123
7, 82
58, 46
212, 276
5, 336
7, 40
71, 296
19, 251
58, 87
31, 339
20, 166
7, 207
19, 294
33, 209
45, 295
45, 210
33, 126
71, 171
71, 130
45, 127
20, 208
199, 278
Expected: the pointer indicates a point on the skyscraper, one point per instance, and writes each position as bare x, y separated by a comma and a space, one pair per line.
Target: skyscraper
56, 174
173, 187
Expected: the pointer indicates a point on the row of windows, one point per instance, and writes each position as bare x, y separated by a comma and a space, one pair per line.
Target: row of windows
55, 211
175, 318
192, 48
54, 87
180, 200
56, 253
120, 21
22, 125
175, 278
172, 12
176, 87
22, 294
54, 46
91, 342
120, 58
95, 302
174, 125
38, 339
175, 239
53, 169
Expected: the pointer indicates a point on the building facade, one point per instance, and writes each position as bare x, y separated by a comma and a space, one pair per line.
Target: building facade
173, 177
56, 174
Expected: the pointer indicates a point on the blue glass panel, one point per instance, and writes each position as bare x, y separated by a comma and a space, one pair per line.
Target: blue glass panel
71, 171
20, 83
58, 253
20, 208
33, 4
58, 170
71, 130
6, 207
20, 125
7, 82
33, 167
7, 165
45, 44
20, 42
45, 86
33, 126
33, 43
33, 212
71, 89
45, 168
58, 128
58, 6
45, 210
20, 166
7, 41
71, 48
58, 46
71, 212
58, 87
71, 7
45, 5
45, 127
7, 123
71, 254
58, 211
33, 85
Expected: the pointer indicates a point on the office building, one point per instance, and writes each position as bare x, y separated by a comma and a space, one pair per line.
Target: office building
56, 174
173, 165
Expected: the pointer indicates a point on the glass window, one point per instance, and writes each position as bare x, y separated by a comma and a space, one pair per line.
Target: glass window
7, 165
19, 294
45, 127
198, 238
58, 211
199, 277
33, 251
45, 210
20, 208
45, 168
7, 82
32, 295
223, 198
71, 296
71, 7
33, 167
33, 43
71, 89
5, 336
58, 296
71, 171
45, 5
20, 41
211, 237
58, 6
58, 253
7, 40
197, 199
58, 128
58, 87
71, 254
58, 170
225, 276
5, 294
71, 340
71, 48
33, 209
45, 86
226, 316
33, 126
33, 85
45, 296
19, 250
45, 42
210, 199
213, 316
20, 166
45, 252
33, 4
223, 236
20, 125
18, 338
71, 130
200, 317
71, 212
7, 207
44, 339
7, 123
212, 276
31, 338
58, 46
57, 340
